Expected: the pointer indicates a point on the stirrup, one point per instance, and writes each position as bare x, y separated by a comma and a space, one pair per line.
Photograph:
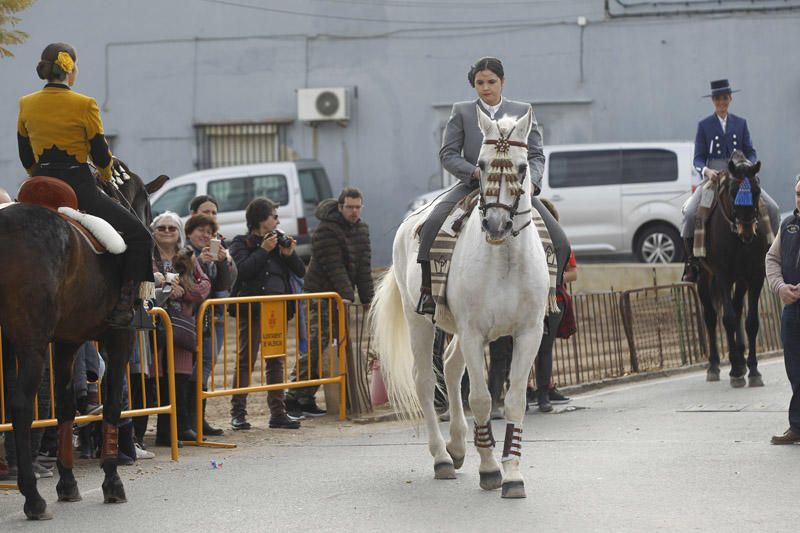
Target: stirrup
426, 305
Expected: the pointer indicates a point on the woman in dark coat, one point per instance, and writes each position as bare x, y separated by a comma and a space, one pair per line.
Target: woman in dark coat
264, 259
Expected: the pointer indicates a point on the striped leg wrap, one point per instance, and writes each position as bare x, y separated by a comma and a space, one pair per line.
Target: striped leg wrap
483, 436
512, 447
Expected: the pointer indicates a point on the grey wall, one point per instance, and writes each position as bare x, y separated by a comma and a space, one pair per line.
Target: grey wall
158, 67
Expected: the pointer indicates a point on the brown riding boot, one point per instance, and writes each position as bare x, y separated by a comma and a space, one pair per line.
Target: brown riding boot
122, 315
691, 272
426, 305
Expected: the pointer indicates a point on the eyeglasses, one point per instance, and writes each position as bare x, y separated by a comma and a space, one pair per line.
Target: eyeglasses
168, 229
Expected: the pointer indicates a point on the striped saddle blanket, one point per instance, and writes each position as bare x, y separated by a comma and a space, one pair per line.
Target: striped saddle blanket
441, 255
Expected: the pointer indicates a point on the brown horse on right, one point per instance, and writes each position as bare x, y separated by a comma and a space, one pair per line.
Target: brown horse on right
734, 267
54, 288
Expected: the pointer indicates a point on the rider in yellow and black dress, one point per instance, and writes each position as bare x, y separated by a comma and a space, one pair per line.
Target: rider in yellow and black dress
58, 131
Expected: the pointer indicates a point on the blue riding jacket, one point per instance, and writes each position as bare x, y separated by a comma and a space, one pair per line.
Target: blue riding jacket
712, 143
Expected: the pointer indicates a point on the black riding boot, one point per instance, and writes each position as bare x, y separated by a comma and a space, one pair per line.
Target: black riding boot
691, 272
426, 305
122, 315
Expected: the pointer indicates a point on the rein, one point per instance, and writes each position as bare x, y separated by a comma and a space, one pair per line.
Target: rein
501, 166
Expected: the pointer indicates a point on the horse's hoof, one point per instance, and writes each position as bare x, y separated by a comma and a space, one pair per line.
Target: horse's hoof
37, 510
491, 480
458, 462
755, 381
444, 471
68, 493
513, 489
114, 492
737, 382
712, 374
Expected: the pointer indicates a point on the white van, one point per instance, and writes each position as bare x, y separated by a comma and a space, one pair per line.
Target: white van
619, 198
296, 186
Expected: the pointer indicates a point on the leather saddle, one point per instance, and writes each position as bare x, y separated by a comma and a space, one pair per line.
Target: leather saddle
57, 196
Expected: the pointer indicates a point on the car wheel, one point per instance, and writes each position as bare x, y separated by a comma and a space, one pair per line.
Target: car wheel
659, 244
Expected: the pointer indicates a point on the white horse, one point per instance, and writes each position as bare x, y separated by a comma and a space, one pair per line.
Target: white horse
498, 285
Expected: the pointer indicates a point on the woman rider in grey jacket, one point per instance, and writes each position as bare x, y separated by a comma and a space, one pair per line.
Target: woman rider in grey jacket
459, 156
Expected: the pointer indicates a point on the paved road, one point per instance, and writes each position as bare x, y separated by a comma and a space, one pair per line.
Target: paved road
674, 454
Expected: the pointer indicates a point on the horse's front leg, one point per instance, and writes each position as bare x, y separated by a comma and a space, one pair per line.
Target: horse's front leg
732, 320
118, 347
22, 392
453, 372
67, 487
425, 382
710, 319
751, 326
480, 402
527, 345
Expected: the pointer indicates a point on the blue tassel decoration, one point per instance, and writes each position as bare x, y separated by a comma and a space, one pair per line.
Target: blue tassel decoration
745, 195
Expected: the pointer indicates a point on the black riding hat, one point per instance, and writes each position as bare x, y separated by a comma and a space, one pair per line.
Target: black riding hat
720, 87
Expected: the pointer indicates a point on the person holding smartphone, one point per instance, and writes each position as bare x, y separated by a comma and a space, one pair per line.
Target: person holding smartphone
218, 265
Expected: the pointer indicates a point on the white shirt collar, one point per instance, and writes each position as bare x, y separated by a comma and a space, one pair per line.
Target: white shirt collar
723, 121
492, 109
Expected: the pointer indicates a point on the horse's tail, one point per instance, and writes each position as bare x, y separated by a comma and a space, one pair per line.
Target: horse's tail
392, 343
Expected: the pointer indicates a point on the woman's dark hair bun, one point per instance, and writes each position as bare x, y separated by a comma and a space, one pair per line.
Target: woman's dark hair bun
485, 63
45, 69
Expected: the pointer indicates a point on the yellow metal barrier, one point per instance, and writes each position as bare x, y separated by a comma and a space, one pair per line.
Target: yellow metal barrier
169, 408
275, 336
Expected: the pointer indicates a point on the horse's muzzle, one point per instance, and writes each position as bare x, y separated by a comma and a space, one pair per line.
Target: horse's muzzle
497, 233
746, 231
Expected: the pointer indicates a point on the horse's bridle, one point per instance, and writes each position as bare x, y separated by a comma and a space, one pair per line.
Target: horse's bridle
732, 223
499, 169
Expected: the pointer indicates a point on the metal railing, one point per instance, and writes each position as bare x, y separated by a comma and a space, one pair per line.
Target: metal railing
641, 330
280, 339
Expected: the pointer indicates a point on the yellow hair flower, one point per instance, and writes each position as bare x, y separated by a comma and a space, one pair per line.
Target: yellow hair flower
65, 62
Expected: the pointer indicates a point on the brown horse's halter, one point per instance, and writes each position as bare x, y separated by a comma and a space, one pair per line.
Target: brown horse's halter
502, 167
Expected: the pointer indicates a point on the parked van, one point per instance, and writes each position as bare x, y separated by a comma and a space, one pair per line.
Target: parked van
296, 186
619, 198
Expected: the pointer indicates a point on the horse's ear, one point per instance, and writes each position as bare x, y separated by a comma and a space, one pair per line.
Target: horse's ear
757, 168
484, 122
156, 184
526, 122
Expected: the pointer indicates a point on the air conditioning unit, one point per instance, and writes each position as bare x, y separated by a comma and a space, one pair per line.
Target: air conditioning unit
317, 105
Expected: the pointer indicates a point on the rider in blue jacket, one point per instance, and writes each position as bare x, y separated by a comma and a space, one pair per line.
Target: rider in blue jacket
718, 135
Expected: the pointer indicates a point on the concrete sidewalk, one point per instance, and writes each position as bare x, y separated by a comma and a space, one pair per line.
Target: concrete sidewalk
674, 454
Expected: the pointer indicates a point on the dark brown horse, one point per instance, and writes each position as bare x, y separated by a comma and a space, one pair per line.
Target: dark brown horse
733, 268
54, 288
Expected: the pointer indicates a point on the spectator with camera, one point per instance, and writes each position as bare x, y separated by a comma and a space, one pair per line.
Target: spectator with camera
201, 231
341, 260
264, 257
